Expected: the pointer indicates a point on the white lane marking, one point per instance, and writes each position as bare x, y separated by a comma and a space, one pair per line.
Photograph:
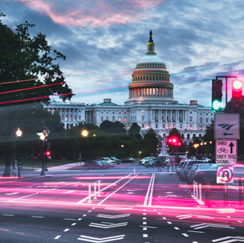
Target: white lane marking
144, 218
144, 222
8, 215
66, 230
86, 198
200, 232
113, 216
145, 235
37, 217
148, 197
69, 219
79, 219
144, 213
97, 240
117, 189
108, 225
144, 228
164, 218
176, 228
11, 193
57, 237
184, 234
169, 222
73, 224
84, 215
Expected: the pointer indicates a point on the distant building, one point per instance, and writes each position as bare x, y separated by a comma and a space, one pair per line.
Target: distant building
151, 104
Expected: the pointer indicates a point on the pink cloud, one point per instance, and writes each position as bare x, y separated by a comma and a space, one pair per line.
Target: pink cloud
93, 13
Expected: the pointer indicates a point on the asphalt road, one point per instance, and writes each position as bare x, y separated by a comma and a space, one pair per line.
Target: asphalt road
130, 203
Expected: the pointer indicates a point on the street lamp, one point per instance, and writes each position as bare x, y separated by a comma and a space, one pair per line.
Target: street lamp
43, 137
18, 134
84, 133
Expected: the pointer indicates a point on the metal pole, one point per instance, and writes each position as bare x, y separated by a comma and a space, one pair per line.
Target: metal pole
43, 163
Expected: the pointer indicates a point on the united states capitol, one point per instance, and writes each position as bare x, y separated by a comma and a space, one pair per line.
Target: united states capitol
151, 104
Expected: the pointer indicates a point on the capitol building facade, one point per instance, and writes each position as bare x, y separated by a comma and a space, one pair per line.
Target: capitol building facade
151, 104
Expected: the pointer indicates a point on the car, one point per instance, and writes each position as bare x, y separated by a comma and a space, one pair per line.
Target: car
195, 168
109, 160
93, 164
187, 166
207, 175
145, 160
128, 160
152, 163
179, 167
117, 161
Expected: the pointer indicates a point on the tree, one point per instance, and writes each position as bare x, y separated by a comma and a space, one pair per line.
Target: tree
29, 73
113, 127
150, 143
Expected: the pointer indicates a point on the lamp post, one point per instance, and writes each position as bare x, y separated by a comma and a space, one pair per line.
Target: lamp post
84, 134
43, 137
18, 134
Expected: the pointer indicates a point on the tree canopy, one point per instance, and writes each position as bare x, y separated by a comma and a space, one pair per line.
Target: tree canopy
29, 73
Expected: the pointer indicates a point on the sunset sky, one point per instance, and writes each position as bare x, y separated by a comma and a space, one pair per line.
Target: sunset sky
104, 39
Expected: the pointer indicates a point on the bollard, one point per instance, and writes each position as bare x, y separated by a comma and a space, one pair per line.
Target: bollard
200, 191
89, 194
240, 190
99, 189
95, 190
196, 190
225, 194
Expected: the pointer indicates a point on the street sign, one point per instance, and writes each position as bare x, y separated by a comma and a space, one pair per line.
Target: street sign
225, 174
227, 126
226, 152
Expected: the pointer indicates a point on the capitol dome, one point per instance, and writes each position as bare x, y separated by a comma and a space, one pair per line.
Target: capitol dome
151, 79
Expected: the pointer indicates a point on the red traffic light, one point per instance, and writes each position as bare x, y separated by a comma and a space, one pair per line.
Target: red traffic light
174, 141
47, 153
237, 89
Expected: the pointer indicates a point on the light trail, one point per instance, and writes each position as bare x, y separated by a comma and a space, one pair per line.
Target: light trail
37, 87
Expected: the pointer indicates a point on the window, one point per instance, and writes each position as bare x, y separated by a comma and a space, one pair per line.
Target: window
190, 118
206, 120
124, 119
142, 125
119, 119
142, 118
102, 118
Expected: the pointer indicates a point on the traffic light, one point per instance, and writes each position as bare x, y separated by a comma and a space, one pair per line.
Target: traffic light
217, 94
174, 141
48, 153
236, 89
236, 96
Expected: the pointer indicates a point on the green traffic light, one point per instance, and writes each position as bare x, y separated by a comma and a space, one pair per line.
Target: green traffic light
217, 105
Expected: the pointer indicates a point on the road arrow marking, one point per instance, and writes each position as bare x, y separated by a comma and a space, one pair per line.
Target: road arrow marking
201, 226
11, 193
229, 239
107, 216
108, 225
100, 240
